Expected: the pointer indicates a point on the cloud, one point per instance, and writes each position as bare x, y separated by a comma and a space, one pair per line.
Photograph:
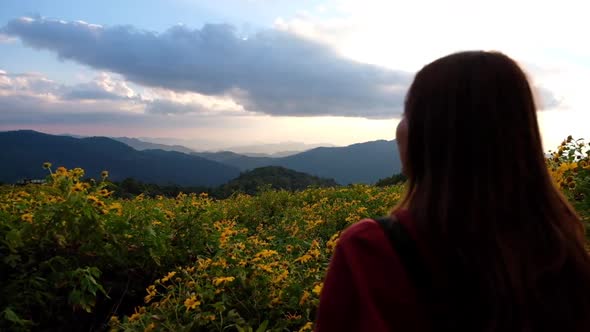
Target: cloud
5, 39
546, 99
273, 72
32, 98
102, 87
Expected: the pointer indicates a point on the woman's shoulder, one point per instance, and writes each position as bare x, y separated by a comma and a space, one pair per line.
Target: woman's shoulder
360, 229
369, 228
374, 262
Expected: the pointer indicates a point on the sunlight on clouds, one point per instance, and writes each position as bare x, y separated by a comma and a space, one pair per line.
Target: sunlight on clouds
216, 103
547, 38
209, 104
336, 130
407, 35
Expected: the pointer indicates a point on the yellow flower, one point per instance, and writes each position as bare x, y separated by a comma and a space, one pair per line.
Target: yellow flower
104, 193
96, 201
303, 259
307, 327
77, 172
114, 321
191, 303
47, 165
150, 327
221, 263
104, 174
264, 254
117, 207
281, 277
78, 187
332, 242
317, 289
61, 171
203, 263
265, 267
170, 275
222, 280
27, 217
151, 290
304, 298
134, 317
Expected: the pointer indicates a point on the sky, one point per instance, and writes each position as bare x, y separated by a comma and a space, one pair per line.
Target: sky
225, 73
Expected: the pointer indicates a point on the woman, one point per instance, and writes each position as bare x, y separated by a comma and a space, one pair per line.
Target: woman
503, 249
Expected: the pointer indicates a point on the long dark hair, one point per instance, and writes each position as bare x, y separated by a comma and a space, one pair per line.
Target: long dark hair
508, 248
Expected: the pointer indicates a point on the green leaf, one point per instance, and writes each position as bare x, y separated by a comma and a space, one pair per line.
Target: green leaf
13, 239
262, 327
12, 260
75, 297
12, 317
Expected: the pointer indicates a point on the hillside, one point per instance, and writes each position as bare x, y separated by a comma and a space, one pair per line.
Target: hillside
358, 163
23, 152
142, 145
76, 245
275, 177
240, 161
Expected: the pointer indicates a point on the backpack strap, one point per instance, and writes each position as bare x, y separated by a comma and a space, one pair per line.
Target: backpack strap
407, 251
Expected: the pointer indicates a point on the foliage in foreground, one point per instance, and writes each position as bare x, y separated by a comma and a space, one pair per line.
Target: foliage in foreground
71, 255
570, 168
251, 182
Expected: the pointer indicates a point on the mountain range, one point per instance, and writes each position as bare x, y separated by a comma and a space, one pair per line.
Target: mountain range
249, 150
23, 152
142, 145
357, 163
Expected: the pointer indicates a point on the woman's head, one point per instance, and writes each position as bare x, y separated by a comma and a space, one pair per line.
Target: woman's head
479, 191
469, 112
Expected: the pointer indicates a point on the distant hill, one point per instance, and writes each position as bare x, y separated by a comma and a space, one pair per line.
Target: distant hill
141, 145
72, 135
282, 149
271, 155
23, 152
242, 162
358, 163
274, 176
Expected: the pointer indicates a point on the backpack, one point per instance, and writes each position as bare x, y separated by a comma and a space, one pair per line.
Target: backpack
406, 249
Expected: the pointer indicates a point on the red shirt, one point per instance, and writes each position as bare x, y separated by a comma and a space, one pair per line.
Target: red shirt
366, 287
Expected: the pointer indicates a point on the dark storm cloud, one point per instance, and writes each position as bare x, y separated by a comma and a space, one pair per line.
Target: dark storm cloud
273, 72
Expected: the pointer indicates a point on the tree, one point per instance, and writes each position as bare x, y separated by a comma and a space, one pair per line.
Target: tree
392, 180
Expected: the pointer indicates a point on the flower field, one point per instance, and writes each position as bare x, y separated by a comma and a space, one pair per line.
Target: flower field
71, 255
